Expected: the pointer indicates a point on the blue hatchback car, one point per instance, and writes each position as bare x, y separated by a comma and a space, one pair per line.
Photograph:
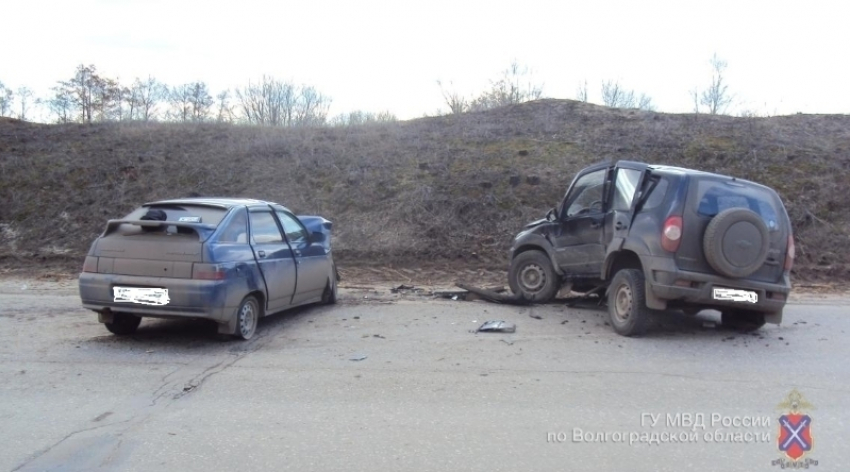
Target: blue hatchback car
228, 260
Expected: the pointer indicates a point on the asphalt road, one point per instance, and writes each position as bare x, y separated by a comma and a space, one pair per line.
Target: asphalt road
430, 393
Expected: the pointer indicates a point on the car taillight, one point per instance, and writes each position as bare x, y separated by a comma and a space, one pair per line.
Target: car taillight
790, 253
671, 235
90, 265
208, 272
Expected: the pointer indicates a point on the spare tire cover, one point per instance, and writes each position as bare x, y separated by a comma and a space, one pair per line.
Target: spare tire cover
736, 242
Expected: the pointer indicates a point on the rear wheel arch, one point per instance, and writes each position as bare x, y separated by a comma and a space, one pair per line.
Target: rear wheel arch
628, 259
625, 259
261, 300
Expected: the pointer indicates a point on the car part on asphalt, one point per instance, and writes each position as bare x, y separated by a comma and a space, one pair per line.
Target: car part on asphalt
497, 326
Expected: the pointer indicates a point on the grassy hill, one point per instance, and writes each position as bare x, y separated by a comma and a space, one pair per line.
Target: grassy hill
453, 188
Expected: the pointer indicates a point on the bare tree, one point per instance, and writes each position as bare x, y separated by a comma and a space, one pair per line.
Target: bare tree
311, 107
201, 101
515, 86
272, 102
359, 117
644, 102
147, 94
6, 99
61, 104
92, 96
24, 102
225, 110
181, 99
695, 97
717, 97
456, 102
581, 92
614, 95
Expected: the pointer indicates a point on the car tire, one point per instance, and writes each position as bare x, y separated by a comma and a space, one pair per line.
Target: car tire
247, 317
736, 242
627, 303
742, 320
123, 324
533, 278
329, 296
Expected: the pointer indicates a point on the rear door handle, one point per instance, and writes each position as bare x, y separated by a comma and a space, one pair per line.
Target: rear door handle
261, 253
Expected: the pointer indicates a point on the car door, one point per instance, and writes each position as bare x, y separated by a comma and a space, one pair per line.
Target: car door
623, 196
313, 264
578, 235
275, 258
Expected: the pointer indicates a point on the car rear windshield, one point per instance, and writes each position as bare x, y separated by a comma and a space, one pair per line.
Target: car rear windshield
715, 196
188, 213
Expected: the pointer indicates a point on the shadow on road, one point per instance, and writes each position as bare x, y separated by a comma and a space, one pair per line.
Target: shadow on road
193, 334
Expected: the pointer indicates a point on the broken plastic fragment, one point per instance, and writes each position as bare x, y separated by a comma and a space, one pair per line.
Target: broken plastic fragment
359, 357
497, 326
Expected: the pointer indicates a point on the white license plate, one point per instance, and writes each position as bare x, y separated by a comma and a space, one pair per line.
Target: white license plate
141, 295
733, 295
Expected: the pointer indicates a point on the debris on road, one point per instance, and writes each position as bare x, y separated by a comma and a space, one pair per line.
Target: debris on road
494, 296
407, 289
497, 326
453, 295
536, 317
358, 357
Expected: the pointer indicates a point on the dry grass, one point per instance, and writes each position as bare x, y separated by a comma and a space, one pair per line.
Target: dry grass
453, 189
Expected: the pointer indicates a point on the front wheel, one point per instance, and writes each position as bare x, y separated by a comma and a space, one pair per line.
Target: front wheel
533, 278
627, 303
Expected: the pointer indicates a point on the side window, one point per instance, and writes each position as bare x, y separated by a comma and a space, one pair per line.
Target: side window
264, 228
625, 188
237, 230
586, 195
656, 197
295, 232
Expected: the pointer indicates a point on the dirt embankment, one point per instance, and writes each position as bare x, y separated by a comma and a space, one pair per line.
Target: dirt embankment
449, 190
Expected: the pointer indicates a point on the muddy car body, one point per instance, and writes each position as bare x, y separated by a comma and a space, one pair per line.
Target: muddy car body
231, 261
660, 237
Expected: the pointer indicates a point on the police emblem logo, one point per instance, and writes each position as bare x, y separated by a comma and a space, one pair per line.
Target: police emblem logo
795, 438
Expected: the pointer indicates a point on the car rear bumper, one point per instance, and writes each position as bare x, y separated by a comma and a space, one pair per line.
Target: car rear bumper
668, 283
188, 298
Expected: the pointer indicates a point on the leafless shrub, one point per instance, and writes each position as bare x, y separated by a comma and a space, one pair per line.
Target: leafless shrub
6, 98
516, 85
581, 92
272, 102
716, 98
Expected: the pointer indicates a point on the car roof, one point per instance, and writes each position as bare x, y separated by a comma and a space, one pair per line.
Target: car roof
220, 202
682, 170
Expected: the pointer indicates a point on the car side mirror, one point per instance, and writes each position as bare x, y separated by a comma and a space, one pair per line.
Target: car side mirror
317, 237
552, 215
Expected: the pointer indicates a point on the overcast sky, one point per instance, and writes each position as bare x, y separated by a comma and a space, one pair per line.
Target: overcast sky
375, 55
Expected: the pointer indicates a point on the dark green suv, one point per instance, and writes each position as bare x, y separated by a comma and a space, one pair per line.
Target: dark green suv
658, 238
